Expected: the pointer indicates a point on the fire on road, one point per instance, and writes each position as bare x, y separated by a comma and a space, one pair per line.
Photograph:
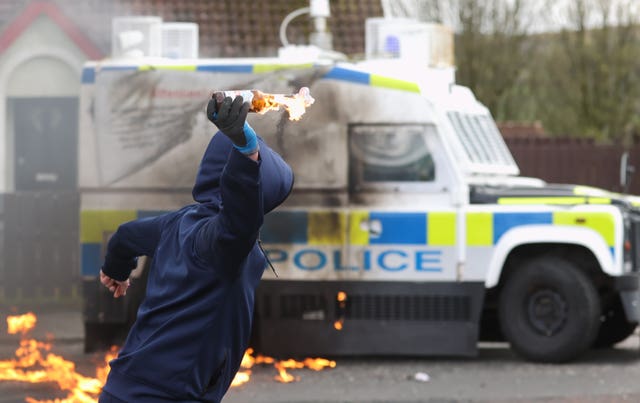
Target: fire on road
35, 363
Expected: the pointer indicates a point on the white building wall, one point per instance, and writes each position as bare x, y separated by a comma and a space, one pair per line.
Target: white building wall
42, 61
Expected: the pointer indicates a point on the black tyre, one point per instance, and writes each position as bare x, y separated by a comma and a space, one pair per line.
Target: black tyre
614, 326
549, 310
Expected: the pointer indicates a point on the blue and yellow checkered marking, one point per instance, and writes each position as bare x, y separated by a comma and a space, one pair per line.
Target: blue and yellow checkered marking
486, 228
441, 228
285, 227
503, 222
400, 228
236, 68
357, 227
91, 259
89, 73
374, 80
601, 222
336, 73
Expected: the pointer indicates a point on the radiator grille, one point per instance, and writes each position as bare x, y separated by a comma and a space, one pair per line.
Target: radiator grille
373, 307
302, 306
408, 307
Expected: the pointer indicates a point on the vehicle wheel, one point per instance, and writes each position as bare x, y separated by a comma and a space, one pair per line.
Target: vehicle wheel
613, 326
549, 310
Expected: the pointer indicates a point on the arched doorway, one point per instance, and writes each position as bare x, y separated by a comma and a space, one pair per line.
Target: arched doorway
39, 219
42, 116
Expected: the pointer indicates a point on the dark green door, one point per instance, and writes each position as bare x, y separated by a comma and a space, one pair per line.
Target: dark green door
45, 138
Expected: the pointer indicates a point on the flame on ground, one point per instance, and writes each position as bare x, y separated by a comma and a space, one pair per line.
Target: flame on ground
21, 324
248, 361
34, 363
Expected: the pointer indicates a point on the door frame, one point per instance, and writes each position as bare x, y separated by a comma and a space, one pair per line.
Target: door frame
7, 67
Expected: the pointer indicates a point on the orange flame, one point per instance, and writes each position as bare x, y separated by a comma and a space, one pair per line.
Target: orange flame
262, 359
103, 371
34, 363
248, 361
342, 304
22, 323
318, 364
295, 104
241, 378
283, 376
31, 365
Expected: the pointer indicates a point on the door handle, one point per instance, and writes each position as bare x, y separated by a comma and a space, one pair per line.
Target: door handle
373, 227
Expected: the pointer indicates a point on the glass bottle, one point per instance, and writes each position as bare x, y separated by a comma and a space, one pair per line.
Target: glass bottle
259, 100
262, 102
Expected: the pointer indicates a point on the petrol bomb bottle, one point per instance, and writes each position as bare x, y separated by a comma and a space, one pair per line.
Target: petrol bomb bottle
262, 102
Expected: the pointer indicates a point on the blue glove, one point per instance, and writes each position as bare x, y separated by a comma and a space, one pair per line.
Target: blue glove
230, 118
251, 139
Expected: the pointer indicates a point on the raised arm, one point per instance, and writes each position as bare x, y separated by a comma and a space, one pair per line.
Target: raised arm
229, 236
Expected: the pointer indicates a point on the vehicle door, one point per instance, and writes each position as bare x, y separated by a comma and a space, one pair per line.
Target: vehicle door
402, 223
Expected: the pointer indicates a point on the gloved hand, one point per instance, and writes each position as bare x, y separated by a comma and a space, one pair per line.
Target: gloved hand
231, 119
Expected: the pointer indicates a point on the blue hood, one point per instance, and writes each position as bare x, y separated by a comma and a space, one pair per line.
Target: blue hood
276, 176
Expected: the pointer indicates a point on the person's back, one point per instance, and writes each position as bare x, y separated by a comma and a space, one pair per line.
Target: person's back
194, 324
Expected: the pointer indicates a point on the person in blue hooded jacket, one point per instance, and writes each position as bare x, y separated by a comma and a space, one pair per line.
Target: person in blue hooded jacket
193, 326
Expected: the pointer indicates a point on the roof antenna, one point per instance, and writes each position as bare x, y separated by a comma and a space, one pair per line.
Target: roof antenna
319, 11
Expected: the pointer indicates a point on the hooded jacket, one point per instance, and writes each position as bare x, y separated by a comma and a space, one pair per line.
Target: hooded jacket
193, 326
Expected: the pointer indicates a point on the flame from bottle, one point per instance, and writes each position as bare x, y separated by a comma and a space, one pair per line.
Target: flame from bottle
295, 104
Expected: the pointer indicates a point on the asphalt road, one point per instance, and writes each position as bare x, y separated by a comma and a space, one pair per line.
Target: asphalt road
496, 375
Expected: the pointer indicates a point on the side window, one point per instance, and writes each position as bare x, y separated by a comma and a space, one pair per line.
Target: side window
380, 154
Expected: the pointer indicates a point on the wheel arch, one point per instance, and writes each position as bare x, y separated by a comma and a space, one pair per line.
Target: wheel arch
535, 240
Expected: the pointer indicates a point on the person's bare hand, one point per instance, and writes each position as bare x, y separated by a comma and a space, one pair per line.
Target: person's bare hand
118, 288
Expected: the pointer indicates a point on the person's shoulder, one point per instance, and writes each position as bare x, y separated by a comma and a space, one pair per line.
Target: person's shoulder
194, 214
173, 217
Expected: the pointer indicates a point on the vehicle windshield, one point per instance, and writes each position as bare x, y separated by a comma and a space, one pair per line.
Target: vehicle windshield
389, 153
